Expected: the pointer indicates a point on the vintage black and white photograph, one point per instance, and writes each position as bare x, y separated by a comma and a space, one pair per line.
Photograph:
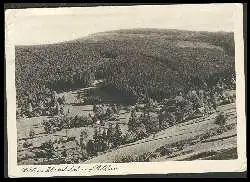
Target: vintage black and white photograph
122, 85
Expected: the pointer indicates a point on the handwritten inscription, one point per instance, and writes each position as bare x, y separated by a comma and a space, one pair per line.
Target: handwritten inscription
74, 168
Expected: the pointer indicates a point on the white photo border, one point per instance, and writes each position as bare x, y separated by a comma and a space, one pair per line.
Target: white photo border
198, 166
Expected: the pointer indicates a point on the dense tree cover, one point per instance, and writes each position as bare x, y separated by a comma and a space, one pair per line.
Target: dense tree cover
65, 122
132, 61
102, 141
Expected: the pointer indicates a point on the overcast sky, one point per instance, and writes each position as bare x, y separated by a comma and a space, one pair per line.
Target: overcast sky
29, 27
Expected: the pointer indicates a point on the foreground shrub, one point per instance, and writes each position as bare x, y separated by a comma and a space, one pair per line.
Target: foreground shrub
125, 159
27, 144
48, 148
129, 137
80, 121
220, 119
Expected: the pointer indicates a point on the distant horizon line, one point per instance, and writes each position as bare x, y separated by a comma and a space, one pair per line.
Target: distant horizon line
117, 30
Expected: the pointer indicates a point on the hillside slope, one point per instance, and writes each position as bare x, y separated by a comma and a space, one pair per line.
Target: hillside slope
160, 60
197, 139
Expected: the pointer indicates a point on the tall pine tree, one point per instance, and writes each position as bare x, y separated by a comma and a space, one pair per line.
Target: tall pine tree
117, 135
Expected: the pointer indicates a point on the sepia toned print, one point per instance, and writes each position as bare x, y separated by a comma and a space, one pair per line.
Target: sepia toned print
114, 98
126, 94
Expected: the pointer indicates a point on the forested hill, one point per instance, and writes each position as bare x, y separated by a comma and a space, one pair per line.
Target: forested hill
158, 60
